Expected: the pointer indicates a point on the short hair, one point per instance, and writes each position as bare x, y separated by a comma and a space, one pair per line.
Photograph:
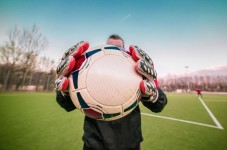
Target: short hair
115, 36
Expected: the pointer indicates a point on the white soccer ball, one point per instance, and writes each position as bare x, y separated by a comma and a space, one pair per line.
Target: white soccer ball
105, 85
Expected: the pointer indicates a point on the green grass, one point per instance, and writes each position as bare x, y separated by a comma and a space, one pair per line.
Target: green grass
35, 121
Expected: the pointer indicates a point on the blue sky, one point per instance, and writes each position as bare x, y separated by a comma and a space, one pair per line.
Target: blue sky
175, 33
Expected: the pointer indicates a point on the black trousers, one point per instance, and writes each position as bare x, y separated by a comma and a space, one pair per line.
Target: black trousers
90, 148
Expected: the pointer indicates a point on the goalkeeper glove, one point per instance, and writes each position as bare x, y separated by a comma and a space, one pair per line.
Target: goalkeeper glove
145, 67
67, 64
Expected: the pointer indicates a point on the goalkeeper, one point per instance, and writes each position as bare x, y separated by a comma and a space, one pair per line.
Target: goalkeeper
124, 133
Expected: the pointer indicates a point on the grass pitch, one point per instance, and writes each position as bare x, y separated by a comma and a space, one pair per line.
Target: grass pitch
35, 121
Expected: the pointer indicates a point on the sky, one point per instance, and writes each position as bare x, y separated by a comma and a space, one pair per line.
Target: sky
175, 33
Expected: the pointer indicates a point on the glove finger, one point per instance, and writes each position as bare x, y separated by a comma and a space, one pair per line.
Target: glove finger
76, 50
134, 53
156, 82
148, 89
61, 84
145, 69
66, 66
85, 46
137, 53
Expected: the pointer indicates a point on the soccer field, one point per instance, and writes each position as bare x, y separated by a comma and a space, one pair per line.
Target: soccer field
35, 121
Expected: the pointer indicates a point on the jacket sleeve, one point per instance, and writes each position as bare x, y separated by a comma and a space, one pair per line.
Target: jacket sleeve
65, 102
158, 105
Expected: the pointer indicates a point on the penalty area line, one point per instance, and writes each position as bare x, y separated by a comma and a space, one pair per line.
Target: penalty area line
211, 114
216, 100
180, 120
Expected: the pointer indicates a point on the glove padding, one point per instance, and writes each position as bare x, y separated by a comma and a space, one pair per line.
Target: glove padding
137, 54
67, 64
145, 67
61, 84
76, 50
148, 89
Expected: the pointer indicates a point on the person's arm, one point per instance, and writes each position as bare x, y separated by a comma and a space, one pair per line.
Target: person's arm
158, 105
65, 101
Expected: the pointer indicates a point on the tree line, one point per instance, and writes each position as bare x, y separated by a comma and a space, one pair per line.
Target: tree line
21, 67
190, 83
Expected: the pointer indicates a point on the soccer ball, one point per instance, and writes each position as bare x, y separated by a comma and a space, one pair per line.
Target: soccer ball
105, 85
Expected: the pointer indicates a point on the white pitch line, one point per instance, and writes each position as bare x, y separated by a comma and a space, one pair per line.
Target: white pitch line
180, 120
211, 114
216, 100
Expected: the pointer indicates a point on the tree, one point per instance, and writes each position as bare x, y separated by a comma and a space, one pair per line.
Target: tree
11, 54
46, 65
20, 52
32, 42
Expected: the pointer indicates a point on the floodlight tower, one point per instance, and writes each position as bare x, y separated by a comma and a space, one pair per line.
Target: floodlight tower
187, 76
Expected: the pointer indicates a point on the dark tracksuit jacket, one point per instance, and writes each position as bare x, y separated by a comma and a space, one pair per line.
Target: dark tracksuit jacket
121, 134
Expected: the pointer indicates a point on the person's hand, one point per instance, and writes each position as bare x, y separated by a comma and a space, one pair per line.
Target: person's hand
67, 64
145, 67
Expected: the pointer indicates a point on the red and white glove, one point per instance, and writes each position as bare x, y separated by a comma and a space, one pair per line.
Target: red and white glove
67, 64
145, 67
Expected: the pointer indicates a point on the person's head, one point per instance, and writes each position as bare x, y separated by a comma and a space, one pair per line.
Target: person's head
116, 40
